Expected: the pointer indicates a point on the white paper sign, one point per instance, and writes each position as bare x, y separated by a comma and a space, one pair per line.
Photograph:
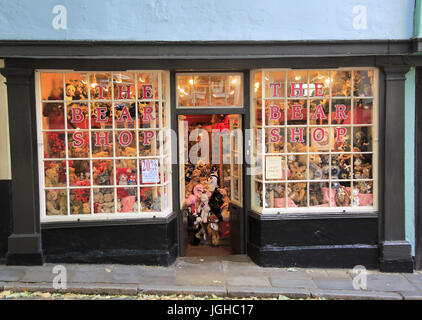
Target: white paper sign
274, 168
150, 171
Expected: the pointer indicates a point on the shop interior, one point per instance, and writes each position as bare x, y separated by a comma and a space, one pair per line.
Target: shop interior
210, 181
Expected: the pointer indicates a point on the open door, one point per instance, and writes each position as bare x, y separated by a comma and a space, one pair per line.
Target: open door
183, 155
210, 173
236, 183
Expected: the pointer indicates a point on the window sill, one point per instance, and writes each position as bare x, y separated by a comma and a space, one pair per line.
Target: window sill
313, 215
109, 221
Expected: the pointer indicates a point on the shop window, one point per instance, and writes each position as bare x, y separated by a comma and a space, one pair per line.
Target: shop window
104, 148
209, 90
315, 144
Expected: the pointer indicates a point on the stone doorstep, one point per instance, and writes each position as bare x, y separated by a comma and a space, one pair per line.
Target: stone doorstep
354, 294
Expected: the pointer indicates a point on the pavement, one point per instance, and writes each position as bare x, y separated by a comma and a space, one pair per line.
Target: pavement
229, 276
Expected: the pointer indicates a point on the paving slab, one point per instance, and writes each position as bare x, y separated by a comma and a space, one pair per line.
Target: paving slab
248, 281
158, 280
411, 295
339, 273
126, 274
185, 290
92, 274
354, 295
283, 273
388, 282
415, 279
11, 273
199, 278
244, 292
334, 283
292, 283
82, 288
46, 274
242, 269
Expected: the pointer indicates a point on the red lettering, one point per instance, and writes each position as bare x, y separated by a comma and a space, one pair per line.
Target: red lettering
148, 116
78, 140
319, 112
101, 137
298, 134
297, 112
147, 91
295, 88
340, 111
319, 86
125, 135
340, 133
121, 91
101, 88
322, 135
147, 137
101, 114
125, 113
275, 85
77, 115
275, 137
275, 112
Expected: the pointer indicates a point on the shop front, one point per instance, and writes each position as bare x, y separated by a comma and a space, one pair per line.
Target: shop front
291, 161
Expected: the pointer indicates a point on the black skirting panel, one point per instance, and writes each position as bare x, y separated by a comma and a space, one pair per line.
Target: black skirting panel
314, 242
149, 244
5, 215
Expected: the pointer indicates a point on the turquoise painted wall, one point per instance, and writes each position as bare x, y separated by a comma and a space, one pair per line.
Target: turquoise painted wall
409, 157
187, 20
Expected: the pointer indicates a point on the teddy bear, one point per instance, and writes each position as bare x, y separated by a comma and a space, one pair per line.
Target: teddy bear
63, 201
51, 177
70, 91
341, 197
51, 203
297, 172
315, 194
315, 170
355, 197
225, 213
298, 193
203, 211
212, 229
197, 230
107, 206
86, 208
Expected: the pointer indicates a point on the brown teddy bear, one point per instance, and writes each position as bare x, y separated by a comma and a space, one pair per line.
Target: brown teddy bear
51, 177
212, 229
51, 204
298, 193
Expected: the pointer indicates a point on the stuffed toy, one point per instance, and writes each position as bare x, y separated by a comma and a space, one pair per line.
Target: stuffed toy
70, 91
316, 196
188, 173
297, 172
197, 230
315, 170
51, 177
298, 193
341, 197
216, 202
203, 208
108, 203
63, 202
345, 173
225, 213
212, 229
86, 208
355, 197
127, 203
361, 141
51, 204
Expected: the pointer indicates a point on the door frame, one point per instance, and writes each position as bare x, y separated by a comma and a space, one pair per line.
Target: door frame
246, 181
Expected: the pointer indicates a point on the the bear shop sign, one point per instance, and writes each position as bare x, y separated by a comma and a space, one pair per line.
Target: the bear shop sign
125, 138
298, 112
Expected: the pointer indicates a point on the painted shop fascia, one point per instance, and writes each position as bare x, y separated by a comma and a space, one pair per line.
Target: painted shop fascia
319, 238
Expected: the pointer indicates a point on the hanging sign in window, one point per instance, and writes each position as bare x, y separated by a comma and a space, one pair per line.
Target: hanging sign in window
150, 171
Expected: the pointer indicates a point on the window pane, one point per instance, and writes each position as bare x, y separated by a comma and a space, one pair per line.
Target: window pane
56, 202
80, 201
53, 116
341, 85
55, 173
76, 86
51, 86
275, 84
363, 85
100, 86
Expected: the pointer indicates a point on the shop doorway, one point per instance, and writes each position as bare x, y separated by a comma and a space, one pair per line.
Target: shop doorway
211, 183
